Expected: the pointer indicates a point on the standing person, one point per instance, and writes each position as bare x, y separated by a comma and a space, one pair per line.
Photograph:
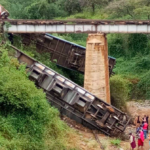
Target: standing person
138, 129
137, 122
132, 141
145, 126
147, 119
144, 119
140, 139
147, 122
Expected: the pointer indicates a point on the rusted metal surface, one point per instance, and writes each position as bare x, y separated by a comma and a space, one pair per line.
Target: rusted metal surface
73, 100
77, 21
64, 53
77, 26
3, 13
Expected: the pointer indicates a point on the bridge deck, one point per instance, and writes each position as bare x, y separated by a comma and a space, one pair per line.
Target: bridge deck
77, 26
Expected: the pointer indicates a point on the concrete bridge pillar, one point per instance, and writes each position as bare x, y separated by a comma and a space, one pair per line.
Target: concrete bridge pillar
96, 77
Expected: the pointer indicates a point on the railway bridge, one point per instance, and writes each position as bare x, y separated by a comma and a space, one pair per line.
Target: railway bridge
96, 79
77, 26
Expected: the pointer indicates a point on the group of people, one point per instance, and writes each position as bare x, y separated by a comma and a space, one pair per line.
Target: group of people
141, 132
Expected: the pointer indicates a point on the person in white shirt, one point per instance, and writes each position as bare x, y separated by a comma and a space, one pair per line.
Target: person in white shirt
132, 141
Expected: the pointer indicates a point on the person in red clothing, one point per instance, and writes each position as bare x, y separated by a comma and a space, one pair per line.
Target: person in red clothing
132, 141
140, 139
145, 127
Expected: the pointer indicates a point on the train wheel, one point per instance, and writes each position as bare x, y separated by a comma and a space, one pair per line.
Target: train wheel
109, 127
115, 117
100, 106
124, 119
93, 116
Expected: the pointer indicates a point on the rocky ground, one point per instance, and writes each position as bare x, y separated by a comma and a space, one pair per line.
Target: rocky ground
86, 140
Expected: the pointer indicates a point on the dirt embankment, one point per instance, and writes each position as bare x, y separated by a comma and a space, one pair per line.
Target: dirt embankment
139, 108
86, 140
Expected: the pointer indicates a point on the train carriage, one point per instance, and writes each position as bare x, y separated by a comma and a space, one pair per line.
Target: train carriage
64, 53
73, 100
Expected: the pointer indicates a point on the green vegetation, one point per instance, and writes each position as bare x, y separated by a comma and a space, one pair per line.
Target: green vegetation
116, 142
119, 88
44, 58
27, 120
132, 51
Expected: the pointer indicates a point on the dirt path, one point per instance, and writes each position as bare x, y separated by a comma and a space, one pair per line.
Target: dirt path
146, 145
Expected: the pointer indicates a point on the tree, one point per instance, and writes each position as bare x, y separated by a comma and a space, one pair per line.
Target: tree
121, 8
96, 3
143, 12
130, 9
72, 6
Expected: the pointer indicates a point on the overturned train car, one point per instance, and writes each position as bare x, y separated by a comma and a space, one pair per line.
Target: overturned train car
64, 53
73, 100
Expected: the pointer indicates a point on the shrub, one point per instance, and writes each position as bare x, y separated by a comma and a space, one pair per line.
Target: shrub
144, 85
27, 120
119, 89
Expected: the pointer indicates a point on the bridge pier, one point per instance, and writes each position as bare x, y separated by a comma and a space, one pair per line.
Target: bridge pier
96, 77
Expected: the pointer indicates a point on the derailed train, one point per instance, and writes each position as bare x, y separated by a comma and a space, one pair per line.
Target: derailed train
73, 100
64, 53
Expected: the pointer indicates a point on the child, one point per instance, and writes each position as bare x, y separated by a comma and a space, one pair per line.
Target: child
132, 141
